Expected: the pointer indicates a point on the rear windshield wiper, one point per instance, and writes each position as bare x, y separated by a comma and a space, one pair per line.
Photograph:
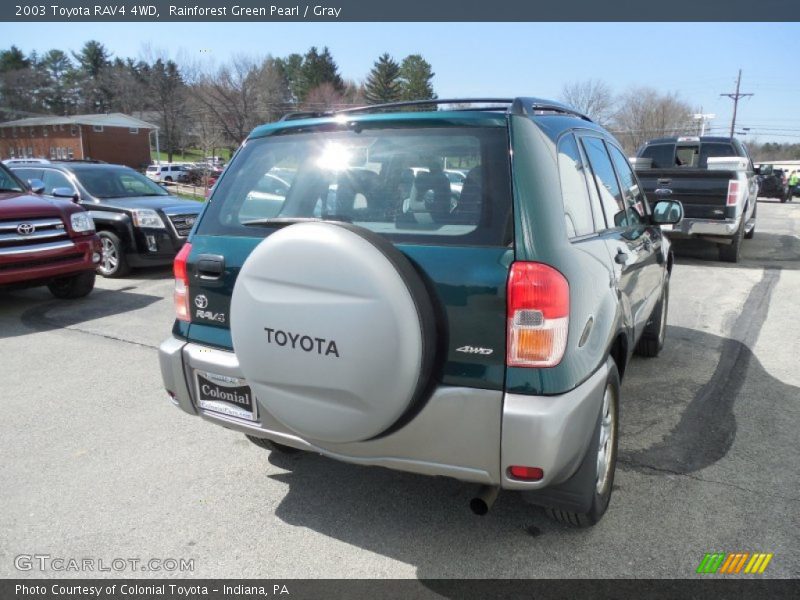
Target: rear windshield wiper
286, 221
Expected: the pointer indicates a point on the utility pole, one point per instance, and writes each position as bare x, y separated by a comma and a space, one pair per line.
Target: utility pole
703, 118
735, 97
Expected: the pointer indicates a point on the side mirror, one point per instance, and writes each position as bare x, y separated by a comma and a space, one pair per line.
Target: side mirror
65, 192
667, 212
37, 185
765, 170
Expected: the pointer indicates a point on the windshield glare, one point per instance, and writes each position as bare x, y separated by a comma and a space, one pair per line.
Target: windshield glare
117, 183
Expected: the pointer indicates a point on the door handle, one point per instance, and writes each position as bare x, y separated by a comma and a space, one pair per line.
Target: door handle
210, 266
622, 257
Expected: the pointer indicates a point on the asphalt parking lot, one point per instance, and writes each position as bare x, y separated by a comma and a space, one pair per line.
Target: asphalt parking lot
97, 463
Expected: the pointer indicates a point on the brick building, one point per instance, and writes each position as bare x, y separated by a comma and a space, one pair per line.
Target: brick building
113, 138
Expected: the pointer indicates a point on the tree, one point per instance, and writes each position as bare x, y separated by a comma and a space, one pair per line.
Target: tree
169, 95
13, 59
591, 97
415, 79
126, 81
645, 113
383, 81
58, 92
93, 61
19, 84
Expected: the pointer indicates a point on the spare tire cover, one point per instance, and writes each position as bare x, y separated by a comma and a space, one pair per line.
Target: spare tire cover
333, 330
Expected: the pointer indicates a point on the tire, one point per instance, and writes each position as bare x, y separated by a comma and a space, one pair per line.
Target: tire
652, 340
75, 286
588, 487
272, 446
113, 262
334, 379
168, 179
750, 234
730, 253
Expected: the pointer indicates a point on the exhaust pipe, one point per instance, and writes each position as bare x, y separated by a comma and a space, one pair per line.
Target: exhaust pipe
483, 501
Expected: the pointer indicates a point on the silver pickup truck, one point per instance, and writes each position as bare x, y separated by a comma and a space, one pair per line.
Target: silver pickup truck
714, 179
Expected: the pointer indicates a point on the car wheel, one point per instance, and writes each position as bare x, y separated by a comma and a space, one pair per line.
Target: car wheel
76, 286
112, 261
652, 340
272, 446
750, 234
594, 480
168, 179
731, 252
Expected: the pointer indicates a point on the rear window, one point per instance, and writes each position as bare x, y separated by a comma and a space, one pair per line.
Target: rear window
152, 169
666, 156
393, 181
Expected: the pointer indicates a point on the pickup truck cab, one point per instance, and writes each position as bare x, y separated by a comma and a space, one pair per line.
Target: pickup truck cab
45, 241
366, 313
714, 179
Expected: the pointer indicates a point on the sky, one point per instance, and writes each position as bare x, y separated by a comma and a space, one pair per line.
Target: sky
699, 61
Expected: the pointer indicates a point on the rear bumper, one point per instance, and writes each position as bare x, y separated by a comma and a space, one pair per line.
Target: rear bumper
692, 227
465, 433
44, 262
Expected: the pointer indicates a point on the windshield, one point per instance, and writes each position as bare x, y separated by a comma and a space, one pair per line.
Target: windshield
9, 183
117, 182
389, 180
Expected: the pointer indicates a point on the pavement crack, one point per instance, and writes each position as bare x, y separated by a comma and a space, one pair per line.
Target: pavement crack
111, 337
644, 468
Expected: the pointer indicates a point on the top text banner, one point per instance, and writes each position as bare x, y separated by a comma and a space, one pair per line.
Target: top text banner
398, 10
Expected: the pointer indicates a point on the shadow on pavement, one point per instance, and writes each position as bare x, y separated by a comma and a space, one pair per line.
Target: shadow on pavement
49, 314
425, 522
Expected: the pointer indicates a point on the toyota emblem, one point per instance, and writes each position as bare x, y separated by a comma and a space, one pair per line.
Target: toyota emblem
25, 228
200, 301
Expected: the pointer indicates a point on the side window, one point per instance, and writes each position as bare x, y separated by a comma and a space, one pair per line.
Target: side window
634, 198
575, 194
606, 182
55, 179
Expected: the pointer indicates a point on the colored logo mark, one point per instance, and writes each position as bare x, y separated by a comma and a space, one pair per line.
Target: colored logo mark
734, 563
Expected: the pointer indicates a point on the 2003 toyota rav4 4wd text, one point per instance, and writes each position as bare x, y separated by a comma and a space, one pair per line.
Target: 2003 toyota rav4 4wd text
366, 310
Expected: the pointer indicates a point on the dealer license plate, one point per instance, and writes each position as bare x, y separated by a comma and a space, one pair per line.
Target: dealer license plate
227, 395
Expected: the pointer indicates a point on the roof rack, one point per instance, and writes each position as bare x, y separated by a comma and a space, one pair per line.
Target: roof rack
516, 106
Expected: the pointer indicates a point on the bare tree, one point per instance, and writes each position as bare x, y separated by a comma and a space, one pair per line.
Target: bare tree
645, 113
591, 97
243, 93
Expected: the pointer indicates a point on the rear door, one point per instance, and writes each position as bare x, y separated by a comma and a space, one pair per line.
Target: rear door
460, 243
631, 244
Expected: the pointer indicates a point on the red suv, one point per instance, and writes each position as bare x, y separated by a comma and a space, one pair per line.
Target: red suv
45, 242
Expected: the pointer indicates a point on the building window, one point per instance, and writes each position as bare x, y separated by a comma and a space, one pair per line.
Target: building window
52, 153
133, 130
30, 153
97, 128
14, 131
73, 130
44, 131
70, 154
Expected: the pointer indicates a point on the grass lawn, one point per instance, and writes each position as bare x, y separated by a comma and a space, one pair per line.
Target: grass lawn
191, 155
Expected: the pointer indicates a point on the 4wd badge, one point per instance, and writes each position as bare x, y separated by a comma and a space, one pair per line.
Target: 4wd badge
475, 350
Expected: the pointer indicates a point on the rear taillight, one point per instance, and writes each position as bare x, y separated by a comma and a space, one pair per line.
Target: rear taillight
733, 192
538, 315
181, 295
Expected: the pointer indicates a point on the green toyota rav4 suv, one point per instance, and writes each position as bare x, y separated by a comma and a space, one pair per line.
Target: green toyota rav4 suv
339, 296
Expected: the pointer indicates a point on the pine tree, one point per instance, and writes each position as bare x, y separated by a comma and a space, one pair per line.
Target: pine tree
383, 82
415, 78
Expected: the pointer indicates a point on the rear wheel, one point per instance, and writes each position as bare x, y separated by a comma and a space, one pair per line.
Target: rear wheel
749, 235
594, 479
75, 286
732, 251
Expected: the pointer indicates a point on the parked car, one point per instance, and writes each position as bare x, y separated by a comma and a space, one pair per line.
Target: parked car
714, 179
485, 343
773, 183
45, 241
138, 221
167, 172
